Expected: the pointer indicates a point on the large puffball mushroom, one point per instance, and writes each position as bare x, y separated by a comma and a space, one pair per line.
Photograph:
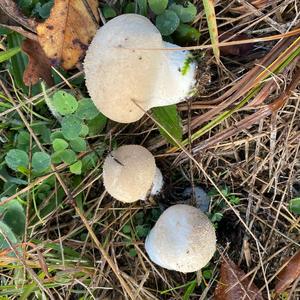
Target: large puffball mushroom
183, 239
124, 75
130, 174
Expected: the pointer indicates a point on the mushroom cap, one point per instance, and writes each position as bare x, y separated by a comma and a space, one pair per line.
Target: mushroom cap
128, 173
183, 239
116, 77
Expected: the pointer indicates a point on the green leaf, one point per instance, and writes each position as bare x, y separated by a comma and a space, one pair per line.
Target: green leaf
167, 22
68, 156
13, 215
97, 124
170, 120
56, 157
86, 109
186, 33
43, 10
209, 8
158, 6
56, 135
89, 161
142, 231
294, 206
23, 140
126, 229
16, 158
84, 130
43, 131
189, 290
40, 162
207, 274
132, 252
6, 55
216, 217
64, 103
78, 144
130, 8
76, 167
71, 127
59, 144
186, 13
142, 4
9, 179
26, 6
6, 233
108, 12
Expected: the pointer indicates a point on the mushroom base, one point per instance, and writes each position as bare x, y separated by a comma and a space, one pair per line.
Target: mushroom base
176, 79
158, 183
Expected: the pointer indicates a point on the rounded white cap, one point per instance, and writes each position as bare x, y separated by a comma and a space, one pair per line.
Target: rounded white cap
183, 239
119, 74
128, 173
116, 77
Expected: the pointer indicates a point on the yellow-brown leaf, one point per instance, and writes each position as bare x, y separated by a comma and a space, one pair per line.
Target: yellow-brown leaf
66, 34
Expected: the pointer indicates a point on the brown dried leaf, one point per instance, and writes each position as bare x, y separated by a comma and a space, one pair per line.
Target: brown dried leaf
288, 274
233, 285
38, 66
66, 34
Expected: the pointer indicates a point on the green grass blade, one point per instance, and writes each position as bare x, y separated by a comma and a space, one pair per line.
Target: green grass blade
169, 122
209, 9
189, 290
18, 61
6, 55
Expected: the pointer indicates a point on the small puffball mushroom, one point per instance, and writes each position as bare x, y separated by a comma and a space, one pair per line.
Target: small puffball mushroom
124, 75
130, 173
183, 239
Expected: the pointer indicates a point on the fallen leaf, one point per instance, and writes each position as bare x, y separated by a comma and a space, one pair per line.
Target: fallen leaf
66, 34
288, 274
233, 285
38, 66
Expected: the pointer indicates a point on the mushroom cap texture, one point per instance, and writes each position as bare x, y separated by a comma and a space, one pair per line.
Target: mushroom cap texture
116, 78
128, 173
183, 239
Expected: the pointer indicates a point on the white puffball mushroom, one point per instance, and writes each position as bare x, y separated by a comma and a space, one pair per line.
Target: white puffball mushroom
130, 173
183, 239
124, 77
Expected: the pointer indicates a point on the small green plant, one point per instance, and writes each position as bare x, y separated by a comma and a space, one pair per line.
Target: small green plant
79, 118
139, 228
294, 206
36, 8
219, 203
170, 17
22, 160
12, 223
